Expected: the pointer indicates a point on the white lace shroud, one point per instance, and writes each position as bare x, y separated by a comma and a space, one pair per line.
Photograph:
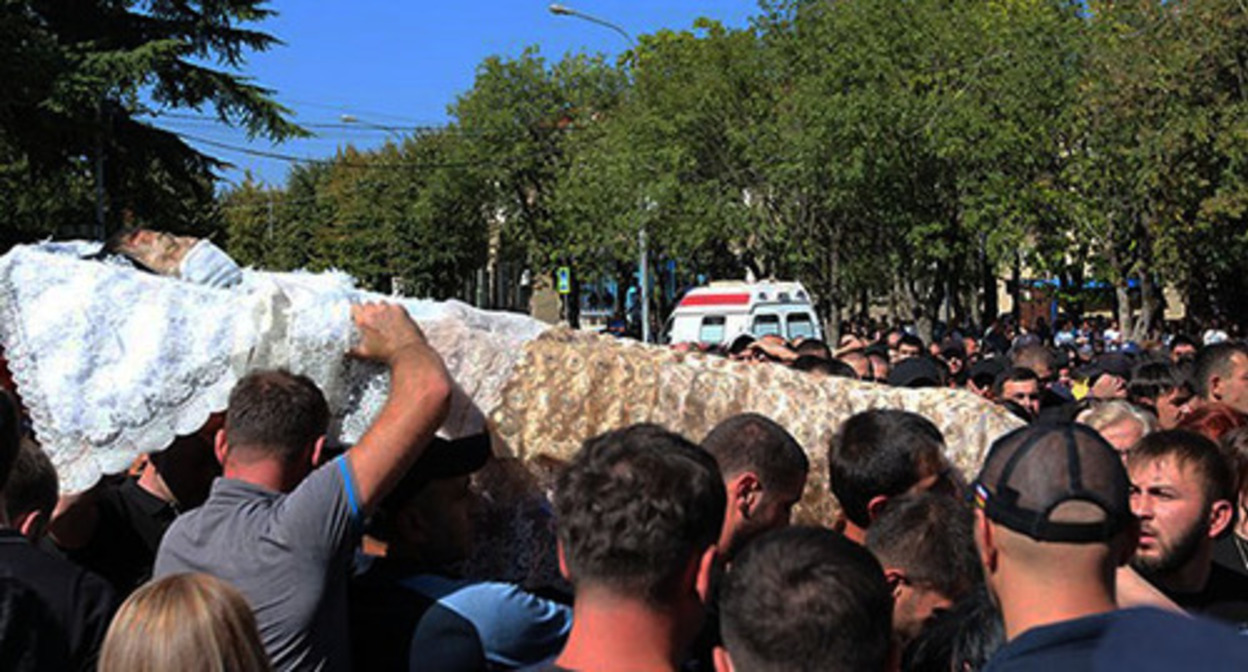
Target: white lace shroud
110, 362
113, 363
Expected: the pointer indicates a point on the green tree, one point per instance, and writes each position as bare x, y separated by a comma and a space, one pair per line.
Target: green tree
1155, 171
85, 73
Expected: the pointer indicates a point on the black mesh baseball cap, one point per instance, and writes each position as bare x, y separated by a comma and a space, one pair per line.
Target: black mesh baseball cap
443, 458
1032, 474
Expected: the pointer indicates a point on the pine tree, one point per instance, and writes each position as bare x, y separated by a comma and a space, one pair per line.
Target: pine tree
81, 75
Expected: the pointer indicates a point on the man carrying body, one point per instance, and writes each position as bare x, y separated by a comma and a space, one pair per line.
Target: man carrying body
764, 472
879, 454
411, 610
1183, 491
1053, 523
115, 528
926, 546
859, 361
283, 531
638, 511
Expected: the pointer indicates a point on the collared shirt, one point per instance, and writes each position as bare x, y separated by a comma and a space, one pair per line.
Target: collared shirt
1140, 639
289, 554
1231, 552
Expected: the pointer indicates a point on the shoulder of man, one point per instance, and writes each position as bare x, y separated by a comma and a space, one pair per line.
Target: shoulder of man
1224, 598
324, 507
1151, 639
515, 627
79, 601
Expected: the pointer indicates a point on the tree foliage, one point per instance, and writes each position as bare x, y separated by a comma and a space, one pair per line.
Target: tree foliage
907, 154
80, 77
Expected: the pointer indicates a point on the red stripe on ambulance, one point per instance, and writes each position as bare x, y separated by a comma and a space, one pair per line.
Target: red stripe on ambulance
716, 300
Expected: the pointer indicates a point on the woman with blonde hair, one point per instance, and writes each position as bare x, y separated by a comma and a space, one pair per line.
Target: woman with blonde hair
187, 623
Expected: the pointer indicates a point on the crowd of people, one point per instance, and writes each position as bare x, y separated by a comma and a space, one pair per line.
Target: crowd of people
1109, 531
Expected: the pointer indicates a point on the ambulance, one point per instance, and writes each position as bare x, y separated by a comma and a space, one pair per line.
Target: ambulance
722, 311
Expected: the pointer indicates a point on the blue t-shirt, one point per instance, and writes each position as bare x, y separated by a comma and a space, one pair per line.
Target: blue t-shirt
515, 627
1140, 640
406, 618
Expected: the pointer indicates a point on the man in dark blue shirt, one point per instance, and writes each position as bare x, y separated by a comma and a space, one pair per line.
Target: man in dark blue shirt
1053, 524
410, 610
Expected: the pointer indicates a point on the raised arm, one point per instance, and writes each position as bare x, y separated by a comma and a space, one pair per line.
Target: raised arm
420, 392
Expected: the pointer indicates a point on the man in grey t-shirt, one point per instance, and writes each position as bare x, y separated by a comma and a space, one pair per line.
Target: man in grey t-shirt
282, 531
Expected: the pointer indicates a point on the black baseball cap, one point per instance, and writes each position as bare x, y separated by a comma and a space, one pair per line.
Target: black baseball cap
1031, 472
740, 343
1116, 364
916, 372
443, 458
984, 372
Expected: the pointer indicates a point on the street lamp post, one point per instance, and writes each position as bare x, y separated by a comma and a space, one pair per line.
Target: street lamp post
561, 10
352, 119
642, 270
398, 142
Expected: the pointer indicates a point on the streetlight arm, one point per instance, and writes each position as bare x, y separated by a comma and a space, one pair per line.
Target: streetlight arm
352, 119
562, 10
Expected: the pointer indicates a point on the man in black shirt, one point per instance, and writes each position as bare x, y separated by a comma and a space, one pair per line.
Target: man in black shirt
1182, 491
411, 610
115, 528
79, 604
1053, 522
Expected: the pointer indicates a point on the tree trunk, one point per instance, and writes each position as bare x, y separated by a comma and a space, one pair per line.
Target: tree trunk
894, 299
1122, 299
832, 325
832, 258
1148, 307
1016, 287
988, 286
573, 301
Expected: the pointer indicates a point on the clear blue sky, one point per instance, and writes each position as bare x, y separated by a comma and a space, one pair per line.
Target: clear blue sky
402, 62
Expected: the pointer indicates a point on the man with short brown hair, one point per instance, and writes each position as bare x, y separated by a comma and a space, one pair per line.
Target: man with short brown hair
638, 511
280, 526
764, 471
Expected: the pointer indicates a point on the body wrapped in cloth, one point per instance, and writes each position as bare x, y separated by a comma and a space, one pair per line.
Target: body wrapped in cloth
113, 362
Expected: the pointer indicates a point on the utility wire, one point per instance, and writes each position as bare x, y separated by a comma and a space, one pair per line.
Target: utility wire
348, 164
345, 109
327, 125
